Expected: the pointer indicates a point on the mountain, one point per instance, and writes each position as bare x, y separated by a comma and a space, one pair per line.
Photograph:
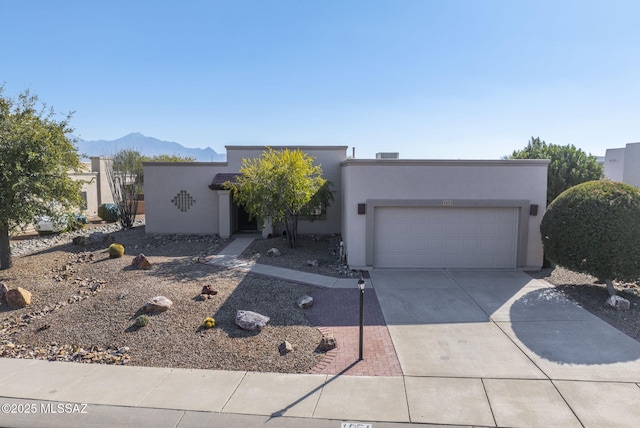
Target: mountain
147, 146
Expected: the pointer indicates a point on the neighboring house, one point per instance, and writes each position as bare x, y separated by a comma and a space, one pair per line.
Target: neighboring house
623, 164
95, 189
390, 212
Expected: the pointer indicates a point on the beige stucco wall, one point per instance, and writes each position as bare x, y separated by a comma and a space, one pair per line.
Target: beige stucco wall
100, 165
163, 181
89, 185
414, 180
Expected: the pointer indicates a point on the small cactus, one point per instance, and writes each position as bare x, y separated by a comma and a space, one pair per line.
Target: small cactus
116, 250
209, 323
142, 321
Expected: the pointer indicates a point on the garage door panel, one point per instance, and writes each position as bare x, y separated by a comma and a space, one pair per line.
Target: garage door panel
470, 244
504, 245
416, 244
454, 237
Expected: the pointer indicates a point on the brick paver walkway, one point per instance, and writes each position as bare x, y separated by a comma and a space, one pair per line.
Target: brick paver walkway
337, 311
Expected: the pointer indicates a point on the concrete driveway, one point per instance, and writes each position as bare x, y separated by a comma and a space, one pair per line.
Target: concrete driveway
505, 345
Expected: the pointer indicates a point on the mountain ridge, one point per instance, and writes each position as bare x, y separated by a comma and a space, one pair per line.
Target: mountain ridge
147, 146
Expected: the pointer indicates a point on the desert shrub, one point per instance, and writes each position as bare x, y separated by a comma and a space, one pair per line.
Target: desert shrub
142, 320
594, 228
108, 212
209, 323
116, 250
76, 222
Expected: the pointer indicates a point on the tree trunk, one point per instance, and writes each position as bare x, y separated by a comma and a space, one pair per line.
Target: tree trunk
291, 226
295, 231
610, 288
5, 248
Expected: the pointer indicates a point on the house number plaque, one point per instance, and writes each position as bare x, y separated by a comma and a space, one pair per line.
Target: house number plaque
447, 203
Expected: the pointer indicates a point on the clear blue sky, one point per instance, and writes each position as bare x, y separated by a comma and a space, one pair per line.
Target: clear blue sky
429, 79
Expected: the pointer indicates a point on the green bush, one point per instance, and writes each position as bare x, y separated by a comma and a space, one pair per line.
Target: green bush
594, 228
142, 321
116, 250
108, 212
76, 222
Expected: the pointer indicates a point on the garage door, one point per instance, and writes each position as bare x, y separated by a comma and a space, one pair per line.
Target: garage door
445, 237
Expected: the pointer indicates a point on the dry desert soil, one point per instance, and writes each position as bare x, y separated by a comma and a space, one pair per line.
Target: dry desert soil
85, 304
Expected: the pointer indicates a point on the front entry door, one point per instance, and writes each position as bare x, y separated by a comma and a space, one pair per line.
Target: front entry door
243, 222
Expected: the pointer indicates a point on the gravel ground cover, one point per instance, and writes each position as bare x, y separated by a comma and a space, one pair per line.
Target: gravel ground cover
315, 253
85, 304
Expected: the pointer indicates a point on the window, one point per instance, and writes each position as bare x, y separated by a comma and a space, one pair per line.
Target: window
319, 213
84, 205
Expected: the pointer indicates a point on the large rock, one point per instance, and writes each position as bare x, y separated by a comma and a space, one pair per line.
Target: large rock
208, 290
101, 237
82, 240
305, 302
18, 298
274, 252
141, 262
252, 321
327, 343
157, 304
285, 347
619, 303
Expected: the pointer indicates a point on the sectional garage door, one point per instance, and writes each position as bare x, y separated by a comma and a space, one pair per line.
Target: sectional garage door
445, 237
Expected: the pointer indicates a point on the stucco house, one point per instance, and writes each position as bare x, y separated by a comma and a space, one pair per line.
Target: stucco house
391, 213
95, 185
623, 164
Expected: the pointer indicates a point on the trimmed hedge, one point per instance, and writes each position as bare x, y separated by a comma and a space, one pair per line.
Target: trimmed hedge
594, 228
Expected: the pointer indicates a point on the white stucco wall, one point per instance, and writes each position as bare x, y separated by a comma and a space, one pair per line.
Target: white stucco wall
614, 164
365, 180
631, 174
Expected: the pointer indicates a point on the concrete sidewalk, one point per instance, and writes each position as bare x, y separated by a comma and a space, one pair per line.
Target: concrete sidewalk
475, 348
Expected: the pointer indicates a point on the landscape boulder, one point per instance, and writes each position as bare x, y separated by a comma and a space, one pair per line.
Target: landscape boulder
82, 240
619, 303
285, 347
101, 237
252, 321
208, 290
327, 343
18, 298
305, 302
141, 262
274, 252
157, 304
